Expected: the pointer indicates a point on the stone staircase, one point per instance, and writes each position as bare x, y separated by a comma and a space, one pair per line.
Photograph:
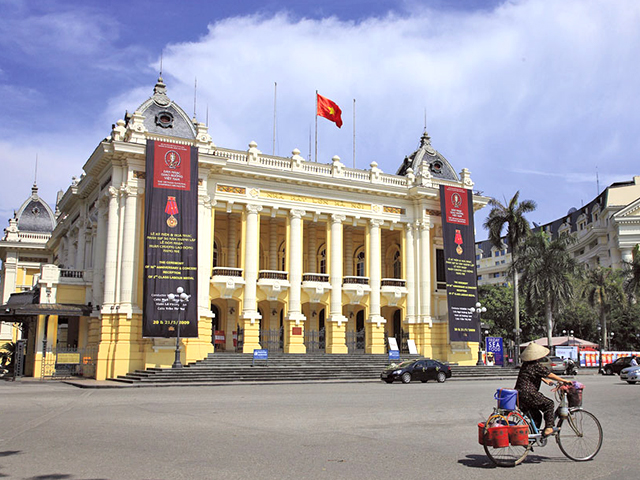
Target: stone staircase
226, 368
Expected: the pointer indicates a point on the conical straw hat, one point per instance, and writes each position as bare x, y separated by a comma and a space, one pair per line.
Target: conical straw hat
534, 352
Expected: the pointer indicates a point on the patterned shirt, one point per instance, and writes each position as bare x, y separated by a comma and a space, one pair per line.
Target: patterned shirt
530, 377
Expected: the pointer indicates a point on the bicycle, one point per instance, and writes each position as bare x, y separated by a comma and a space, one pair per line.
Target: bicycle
579, 436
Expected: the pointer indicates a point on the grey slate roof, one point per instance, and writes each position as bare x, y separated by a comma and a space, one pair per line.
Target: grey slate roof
35, 215
426, 157
165, 117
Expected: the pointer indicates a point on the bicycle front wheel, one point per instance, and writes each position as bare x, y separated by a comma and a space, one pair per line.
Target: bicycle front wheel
580, 435
508, 455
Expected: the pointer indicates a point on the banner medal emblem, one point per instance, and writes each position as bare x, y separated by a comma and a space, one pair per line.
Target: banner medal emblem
171, 210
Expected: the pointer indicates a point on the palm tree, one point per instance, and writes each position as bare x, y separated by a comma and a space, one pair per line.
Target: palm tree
511, 215
547, 269
631, 283
602, 287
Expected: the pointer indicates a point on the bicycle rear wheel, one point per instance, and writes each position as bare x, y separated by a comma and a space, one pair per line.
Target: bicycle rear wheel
510, 455
580, 436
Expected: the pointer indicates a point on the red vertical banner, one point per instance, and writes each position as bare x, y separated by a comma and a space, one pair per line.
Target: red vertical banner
171, 240
460, 262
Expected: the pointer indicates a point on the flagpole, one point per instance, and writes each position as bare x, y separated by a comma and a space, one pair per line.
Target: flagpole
275, 98
354, 133
315, 156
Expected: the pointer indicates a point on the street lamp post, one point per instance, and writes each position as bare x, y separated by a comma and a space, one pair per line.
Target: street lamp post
179, 299
516, 351
479, 309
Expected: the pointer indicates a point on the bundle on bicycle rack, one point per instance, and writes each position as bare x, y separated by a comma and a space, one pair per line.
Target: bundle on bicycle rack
507, 431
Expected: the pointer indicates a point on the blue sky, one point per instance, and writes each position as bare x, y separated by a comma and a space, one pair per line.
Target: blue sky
532, 95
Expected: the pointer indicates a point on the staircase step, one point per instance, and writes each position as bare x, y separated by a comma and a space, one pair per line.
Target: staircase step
232, 368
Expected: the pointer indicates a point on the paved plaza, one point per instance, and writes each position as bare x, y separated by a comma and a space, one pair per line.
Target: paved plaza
366, 430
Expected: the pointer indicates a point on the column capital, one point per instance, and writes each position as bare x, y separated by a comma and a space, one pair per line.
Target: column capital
376, 222
252, 208
425, 225
338, 218
297, 213
130, 190
112, 192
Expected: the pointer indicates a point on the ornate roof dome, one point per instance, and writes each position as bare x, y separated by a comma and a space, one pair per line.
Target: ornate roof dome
426, 161
165, 117
35, 215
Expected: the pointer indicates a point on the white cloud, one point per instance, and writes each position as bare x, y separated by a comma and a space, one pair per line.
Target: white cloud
531, 96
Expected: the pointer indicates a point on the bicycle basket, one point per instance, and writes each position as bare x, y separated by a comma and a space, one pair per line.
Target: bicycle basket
574, 397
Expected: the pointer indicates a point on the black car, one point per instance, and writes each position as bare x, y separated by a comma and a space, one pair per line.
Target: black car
617, 366
423, 369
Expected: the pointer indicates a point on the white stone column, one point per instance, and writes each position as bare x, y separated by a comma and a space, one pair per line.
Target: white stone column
111, 257
82, 232
295, 265
335, 306
375, 269
409, 259
99, 252
425, 271
251, 264
205, 252
128, 273
71, 253
336, 328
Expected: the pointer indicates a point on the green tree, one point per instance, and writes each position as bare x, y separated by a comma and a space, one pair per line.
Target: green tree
510, 215
631, 283
602, 288
547, 271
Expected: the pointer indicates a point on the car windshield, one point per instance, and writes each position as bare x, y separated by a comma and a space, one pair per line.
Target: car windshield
405, 363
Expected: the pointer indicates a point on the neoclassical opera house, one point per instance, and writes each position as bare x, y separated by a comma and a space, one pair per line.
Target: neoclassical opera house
293, 256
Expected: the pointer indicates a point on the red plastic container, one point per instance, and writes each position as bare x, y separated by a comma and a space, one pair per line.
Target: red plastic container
519, 435
499, 436
481, 438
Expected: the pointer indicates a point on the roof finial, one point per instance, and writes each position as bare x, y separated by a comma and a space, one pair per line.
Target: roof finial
161, 64
34, 189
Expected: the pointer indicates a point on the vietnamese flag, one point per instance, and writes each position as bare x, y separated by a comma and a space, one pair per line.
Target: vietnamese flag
329, 110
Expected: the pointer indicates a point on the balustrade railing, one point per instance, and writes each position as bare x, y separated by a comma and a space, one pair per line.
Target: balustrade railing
272, 275
393, 282
66, 273
227, 272
355, 280
315, 277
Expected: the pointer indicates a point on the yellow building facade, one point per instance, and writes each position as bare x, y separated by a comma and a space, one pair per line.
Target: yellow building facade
293, 256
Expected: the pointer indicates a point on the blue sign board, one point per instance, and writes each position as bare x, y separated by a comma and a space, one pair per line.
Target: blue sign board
394, 354
494, 347
260, 354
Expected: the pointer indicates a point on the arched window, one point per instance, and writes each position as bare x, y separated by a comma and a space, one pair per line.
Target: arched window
322, 260
360, 265
397, 264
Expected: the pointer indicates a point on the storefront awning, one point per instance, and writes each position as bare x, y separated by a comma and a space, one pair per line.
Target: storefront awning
22, 306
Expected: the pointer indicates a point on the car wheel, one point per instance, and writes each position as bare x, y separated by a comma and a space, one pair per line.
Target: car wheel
441, 377
388, 380
630, 382
406, 377
608, 371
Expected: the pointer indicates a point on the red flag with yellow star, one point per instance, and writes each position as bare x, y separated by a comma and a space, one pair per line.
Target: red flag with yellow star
329, 110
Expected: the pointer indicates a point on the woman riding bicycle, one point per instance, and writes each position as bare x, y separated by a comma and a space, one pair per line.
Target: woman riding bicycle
528, 384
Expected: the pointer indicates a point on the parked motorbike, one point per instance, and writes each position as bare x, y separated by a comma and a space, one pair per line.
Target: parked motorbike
571, 368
